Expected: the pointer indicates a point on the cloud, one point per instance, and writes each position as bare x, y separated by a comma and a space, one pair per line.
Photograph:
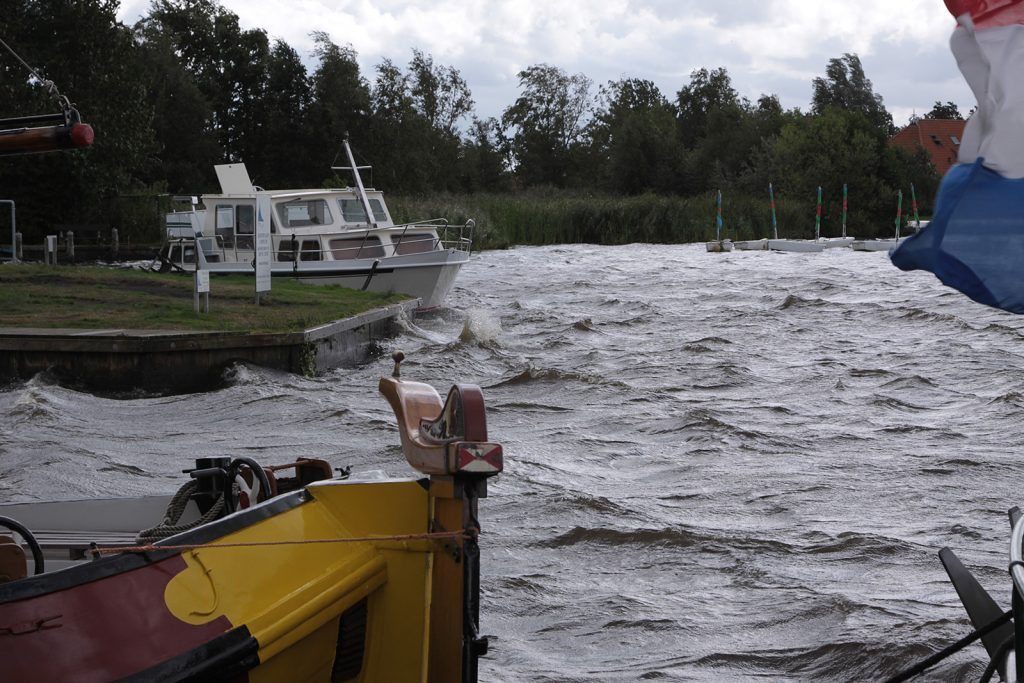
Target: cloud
768, 46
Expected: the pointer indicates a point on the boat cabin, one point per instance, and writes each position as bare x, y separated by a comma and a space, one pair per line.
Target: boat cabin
305, 225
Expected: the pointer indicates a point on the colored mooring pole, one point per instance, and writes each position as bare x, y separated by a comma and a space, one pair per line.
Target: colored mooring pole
899, 211
718, 217
817, 217
771, 202
844, 209
913, 206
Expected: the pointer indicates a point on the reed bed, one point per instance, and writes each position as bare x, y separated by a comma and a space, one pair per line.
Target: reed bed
559, 217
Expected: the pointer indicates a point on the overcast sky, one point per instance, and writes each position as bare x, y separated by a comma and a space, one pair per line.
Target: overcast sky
767, 46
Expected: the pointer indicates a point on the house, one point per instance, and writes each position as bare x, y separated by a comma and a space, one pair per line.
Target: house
939, 137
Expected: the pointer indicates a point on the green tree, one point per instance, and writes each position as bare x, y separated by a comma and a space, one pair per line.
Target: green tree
186, 146
286, 137
708, 93
633, 137
829, 149
80, 46
949, 110
547, 123
845, 86
340, 105
439, 93
482, 164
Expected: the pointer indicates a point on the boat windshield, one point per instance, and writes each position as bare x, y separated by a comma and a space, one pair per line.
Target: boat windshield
300, 213
353, 212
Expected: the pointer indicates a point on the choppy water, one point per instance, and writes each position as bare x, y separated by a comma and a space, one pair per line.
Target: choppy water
719, 466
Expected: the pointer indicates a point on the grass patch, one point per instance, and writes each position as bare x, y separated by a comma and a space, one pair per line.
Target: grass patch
84, 297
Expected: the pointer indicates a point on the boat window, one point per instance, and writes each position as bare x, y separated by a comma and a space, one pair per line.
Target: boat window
955, 139
246, 220
377, 206
348, 248
225, 225
414, 243
225, 216
245, 226
352, 210
286, 249
182, 255
310, 250
302, 213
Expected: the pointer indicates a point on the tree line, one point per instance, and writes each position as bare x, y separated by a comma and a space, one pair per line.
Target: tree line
186, 87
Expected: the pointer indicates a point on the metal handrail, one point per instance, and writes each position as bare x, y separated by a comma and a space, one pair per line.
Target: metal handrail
1017, 575
1017, 555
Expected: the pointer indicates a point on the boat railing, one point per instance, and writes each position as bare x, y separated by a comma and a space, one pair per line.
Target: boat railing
458, 236
1017, 598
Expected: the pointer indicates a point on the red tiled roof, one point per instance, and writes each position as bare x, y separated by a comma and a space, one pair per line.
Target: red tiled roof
939, 137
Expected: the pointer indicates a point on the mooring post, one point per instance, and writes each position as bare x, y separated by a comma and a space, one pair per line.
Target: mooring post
14, 231
115, 242
69, 238
51, 250
18, 246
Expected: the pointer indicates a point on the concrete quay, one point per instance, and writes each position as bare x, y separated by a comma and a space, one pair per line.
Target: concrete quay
176, 362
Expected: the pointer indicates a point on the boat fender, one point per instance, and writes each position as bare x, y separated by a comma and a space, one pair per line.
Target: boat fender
75, 135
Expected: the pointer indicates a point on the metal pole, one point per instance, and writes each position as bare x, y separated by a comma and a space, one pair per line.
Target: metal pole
771, 201
817, 217
844, 209
359, 184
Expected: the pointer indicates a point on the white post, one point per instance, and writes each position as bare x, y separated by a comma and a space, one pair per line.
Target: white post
261, 261
14, 231
51, 250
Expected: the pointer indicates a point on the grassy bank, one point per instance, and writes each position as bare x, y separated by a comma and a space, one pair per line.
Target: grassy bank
95, 297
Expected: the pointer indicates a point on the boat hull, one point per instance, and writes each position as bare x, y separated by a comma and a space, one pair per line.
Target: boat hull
876, 245
278, 612
429, 276
718, 246
803, 246
751, 245
837, 242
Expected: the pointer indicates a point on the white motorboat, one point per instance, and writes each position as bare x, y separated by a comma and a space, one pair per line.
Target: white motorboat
884, 244
796, 245
837, 242
342, 236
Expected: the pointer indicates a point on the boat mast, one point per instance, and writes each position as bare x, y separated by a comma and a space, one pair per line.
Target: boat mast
360, 190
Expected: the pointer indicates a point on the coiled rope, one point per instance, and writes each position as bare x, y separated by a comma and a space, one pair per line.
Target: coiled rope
175, 509
921, 666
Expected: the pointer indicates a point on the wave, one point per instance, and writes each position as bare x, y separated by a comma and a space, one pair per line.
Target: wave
543, 375
585, 325
481, 328
920, 315
794, 301
619, 537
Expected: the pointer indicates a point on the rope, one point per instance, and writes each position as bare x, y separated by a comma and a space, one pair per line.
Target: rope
437, 535
51, 87
920, 667
169, 526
